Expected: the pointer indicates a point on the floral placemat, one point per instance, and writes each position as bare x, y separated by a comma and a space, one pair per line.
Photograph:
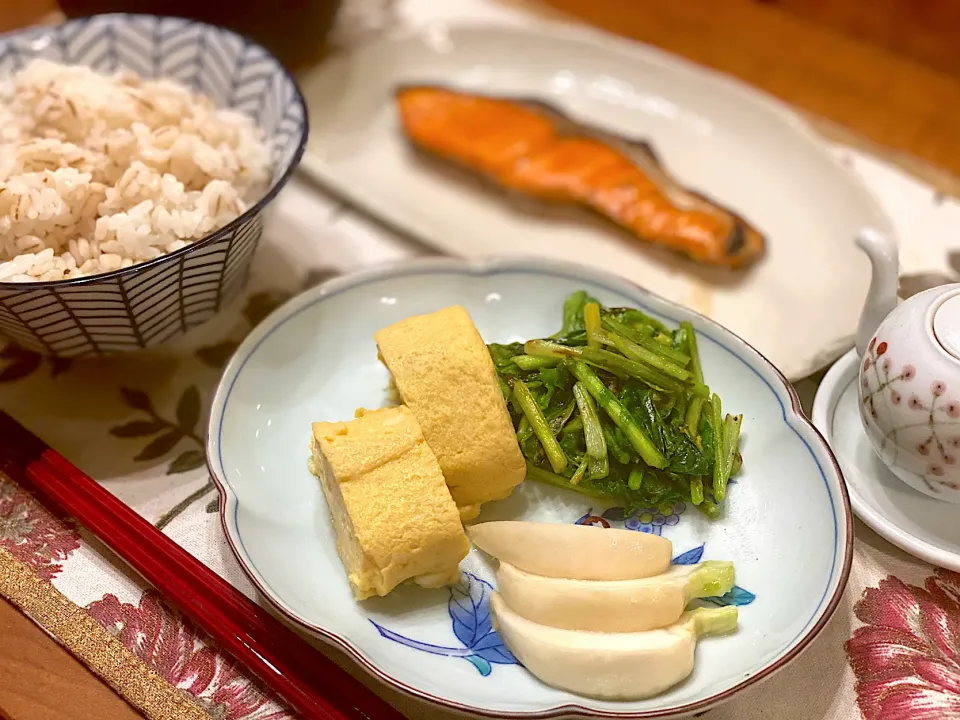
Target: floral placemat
136, 424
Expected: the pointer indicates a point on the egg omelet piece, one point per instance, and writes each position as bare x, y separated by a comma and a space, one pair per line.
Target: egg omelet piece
393, 514
445, 375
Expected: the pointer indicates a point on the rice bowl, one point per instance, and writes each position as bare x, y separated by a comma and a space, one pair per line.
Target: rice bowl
101, 171
172, 233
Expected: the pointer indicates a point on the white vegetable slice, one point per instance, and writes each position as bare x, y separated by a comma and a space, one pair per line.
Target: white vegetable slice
578, 552
612, 605
610, 666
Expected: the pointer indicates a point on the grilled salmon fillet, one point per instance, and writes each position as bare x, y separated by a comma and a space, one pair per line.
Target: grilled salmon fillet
530, 148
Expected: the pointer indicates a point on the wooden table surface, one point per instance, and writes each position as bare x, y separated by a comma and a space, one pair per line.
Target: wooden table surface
884, 76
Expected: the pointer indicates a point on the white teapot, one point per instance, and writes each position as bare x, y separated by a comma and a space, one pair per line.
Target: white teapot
910, 375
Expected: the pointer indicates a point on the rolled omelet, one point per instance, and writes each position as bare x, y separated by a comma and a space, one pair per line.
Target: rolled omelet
391, 509
445, 375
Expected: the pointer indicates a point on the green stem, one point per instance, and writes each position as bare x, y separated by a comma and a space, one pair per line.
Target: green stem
711, 578
575, 425
737, 462
592, 430
619, 414
716, 423
524, 431
548, 478
606, 360
692, 417
636, 318
712, 621
700, 390
708, 508
641, 354
529, 362
558, 419
646, 341
580, 472
598, 468
591, 322
731, 438
696, 490
693, 351
541, 428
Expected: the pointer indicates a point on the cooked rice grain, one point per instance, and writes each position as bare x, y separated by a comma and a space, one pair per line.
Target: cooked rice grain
100, 172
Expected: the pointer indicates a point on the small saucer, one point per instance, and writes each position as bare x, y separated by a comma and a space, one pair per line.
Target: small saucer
920, 525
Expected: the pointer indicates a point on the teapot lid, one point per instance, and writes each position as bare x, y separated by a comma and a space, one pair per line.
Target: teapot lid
946, 325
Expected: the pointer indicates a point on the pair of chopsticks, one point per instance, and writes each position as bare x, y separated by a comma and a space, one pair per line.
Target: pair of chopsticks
309, 683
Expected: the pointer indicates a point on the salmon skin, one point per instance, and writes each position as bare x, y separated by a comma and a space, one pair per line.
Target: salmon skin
531, 148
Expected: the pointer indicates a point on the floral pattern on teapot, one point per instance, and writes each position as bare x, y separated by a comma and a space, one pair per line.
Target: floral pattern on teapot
922, 422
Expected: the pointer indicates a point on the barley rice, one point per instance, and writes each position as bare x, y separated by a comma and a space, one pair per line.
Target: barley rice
100, 172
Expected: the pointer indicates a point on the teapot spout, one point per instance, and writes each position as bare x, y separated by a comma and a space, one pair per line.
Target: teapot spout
884, 282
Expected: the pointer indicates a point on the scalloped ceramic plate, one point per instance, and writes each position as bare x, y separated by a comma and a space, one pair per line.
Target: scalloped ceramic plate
718, 135
787, 524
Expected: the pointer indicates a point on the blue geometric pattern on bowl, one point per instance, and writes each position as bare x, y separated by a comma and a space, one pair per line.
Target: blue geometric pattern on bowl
469, 608
149, 303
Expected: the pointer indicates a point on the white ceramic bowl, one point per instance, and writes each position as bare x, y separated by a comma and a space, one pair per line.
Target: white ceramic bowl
787, 523
158, 300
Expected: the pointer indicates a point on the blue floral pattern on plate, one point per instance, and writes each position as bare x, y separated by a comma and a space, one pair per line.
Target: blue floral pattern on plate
736, 596
469, 609
649, 520
469, 602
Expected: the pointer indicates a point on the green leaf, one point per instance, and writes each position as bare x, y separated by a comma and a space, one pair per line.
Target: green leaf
553, 377
213, 505
653, 416
138, 428
502, 356
683, 455
216, 356
137, 399
187, 461
573, 324
617, 443
160, 446
188, 409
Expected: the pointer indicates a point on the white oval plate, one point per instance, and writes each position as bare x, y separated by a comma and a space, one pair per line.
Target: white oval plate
916, 523
787, 526
799, 306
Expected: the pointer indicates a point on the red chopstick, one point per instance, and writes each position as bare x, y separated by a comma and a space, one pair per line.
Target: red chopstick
312, 685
